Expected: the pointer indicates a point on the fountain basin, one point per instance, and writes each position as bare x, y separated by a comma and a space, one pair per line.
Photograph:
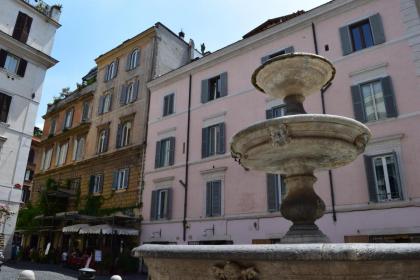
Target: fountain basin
300, 144
266, 262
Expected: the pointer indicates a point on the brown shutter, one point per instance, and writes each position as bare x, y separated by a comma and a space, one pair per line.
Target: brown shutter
3, 55
22, 27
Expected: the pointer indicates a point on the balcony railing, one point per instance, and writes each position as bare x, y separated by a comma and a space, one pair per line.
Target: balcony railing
44, 8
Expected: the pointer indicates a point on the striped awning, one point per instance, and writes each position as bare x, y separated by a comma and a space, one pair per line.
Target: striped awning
108, 229
75, 228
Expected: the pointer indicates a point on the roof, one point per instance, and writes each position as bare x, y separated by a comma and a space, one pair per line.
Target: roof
272, 22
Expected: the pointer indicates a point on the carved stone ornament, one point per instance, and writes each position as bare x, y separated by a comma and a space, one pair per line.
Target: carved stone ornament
360, 141
279, 135
233, 271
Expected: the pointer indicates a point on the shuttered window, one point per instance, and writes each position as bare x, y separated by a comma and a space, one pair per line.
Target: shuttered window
120, 179
12, 63
383, 176
103, 140
276, 192
105, 103
214, 88
161, 206
22, 27
68, 120
275, 112
123, 134
363, 34
133, 60
129, 92
374, 100
165, 152
78, 148
214, 198
265, 58
168, 104
96, 183
213, 140
5, 101
111, 70
86, 111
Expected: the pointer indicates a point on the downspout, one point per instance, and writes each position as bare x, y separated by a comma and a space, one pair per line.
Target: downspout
187, 152
323, 90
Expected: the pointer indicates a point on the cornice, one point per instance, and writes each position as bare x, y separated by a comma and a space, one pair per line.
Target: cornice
70, 132
28, 52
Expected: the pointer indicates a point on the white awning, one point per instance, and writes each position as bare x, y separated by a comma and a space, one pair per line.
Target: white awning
75, 228
108, 229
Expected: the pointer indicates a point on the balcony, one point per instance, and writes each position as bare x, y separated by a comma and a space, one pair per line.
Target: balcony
52, 11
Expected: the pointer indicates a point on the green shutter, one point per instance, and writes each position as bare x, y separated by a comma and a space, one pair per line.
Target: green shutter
208, 199
153, 209
204, 91
346, 45
221, 140
358, 106
223, 84
171, 150
370, 175
389, 97
158, 155
377, 28
205, 142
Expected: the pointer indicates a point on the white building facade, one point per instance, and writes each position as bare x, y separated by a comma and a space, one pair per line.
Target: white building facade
27, 31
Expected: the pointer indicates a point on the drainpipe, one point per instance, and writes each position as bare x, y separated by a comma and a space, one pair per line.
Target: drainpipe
187, 152
323, 90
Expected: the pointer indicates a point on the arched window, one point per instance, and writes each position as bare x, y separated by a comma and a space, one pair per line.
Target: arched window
125, 135
103, 141
133, 59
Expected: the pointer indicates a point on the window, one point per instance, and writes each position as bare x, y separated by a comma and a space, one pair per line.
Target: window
86, 111
383, 177
5, 101
31, 156
111, 70
213, 140
123, 134
165, 152
68, 119
78, 148
12, 63
161, 204
129, 93
75, 185
105, 103
275, 112
133, 59
276, 191
22, 27
362, 34
103, 140
96, 183
46, 159
61, 154
374, 100
214, 88
120, 179
168, 104
29, 174
52, 126
214, 198
290, 49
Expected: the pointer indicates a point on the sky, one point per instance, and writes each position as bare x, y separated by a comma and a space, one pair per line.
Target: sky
93, 27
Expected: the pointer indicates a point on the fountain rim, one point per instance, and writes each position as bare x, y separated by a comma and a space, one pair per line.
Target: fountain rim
287, 56
284, 252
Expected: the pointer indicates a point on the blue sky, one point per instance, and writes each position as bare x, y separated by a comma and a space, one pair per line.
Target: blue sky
92, 27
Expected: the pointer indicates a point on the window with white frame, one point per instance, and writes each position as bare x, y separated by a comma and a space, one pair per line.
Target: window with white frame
29, 174
53, 124
103, 140
79, 148
129, 92
213, 140
111, 70
105, 103
214, 198
46, 159
123, 134
120, 179
61, 154
383, 176
133, 59
12, 63
160, 206
68, 120
275, 112
168, 104
165, 152
96, 183
276, 191
374, 100
86, 111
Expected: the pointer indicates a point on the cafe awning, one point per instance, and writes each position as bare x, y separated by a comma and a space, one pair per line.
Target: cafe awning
108, 229
75, 228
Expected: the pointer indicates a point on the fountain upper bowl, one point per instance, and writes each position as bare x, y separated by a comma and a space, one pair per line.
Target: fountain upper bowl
294, 73
300, 144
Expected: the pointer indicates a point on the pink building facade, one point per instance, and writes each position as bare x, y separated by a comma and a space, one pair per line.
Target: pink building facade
195, 193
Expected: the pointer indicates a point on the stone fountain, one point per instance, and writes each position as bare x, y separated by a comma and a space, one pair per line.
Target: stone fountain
295, 145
